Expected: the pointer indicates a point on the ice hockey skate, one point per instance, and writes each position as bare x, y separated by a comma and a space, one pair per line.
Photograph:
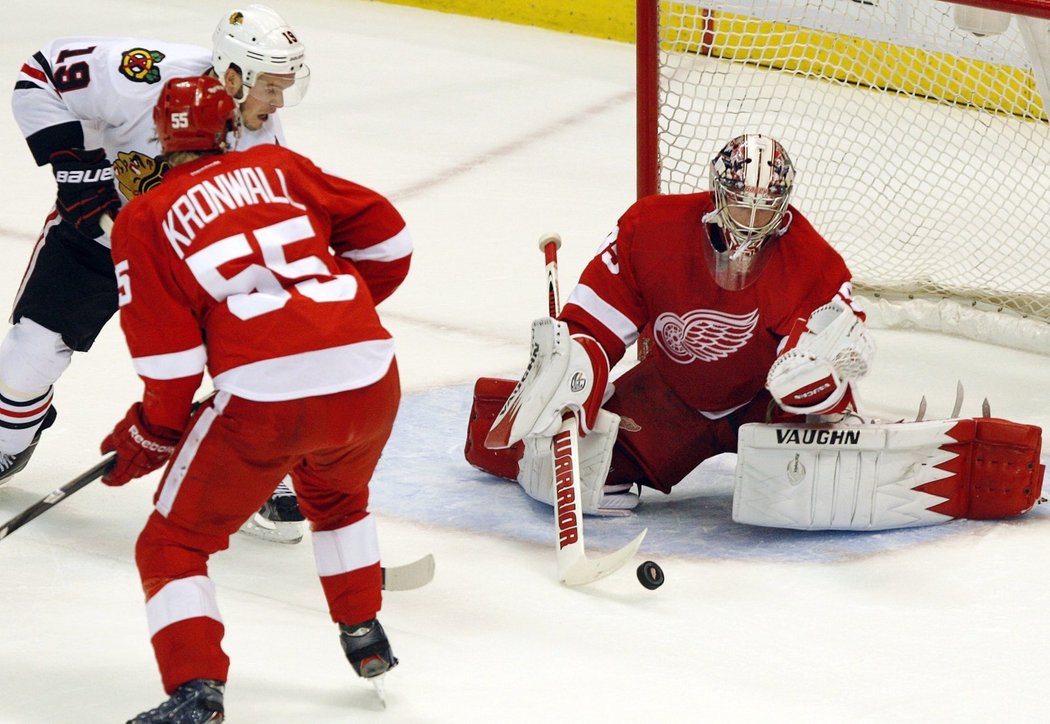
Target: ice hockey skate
279, 520
12, 464
198, 701
368, 651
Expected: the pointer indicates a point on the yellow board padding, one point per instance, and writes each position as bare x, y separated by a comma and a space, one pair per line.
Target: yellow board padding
818, 54
610, 19
1002, 89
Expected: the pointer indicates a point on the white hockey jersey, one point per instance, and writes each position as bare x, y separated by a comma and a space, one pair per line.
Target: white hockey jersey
95, 92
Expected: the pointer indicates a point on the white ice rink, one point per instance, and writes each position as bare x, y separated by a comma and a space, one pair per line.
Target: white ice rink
486, 135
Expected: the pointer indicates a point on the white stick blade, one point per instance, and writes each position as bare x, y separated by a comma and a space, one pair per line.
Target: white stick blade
409, 576
587, 570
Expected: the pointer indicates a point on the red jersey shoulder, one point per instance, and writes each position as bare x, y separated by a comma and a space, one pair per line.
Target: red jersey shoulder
804, 246
669, 209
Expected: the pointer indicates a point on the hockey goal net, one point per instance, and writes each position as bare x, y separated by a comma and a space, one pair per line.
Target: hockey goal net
922, 147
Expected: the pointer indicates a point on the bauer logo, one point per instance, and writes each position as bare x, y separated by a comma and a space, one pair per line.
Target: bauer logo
140, 65
84, 177
818, 437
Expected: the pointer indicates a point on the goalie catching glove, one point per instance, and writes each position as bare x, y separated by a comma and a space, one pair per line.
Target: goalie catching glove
85, 188
565, 373
820, 357
140, 448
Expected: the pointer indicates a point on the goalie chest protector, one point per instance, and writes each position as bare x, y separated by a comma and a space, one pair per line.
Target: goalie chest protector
885, 475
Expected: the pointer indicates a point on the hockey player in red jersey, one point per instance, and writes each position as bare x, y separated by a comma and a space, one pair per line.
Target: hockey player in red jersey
265, 271
84, 106
729, 280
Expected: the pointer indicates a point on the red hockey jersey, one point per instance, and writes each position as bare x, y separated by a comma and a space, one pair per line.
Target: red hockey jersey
714, 347
261, 268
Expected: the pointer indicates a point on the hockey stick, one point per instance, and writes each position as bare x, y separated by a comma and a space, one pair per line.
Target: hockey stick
57, 496
574, 567
395, 578
409, 576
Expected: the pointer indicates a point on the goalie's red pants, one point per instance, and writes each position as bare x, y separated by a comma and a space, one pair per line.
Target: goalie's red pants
231, 458
661, 439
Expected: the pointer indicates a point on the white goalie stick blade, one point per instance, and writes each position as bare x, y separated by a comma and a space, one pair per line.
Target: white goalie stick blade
574, 567
409, 576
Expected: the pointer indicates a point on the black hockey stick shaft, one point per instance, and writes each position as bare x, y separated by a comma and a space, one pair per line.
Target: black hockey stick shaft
57, 496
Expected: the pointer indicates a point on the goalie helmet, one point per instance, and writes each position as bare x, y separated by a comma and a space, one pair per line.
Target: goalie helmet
258, 41
194, 114
751, 179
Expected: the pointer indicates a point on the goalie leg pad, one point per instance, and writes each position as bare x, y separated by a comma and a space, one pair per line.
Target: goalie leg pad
490, 394
884, 476
1001, 461
537, 470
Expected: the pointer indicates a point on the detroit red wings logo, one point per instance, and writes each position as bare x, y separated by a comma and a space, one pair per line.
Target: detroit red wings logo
703, 334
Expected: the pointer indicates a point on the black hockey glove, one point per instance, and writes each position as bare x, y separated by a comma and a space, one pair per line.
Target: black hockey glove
85, 188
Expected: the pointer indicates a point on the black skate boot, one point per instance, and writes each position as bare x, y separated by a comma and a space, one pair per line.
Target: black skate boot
367, 648
11, 464
279, 519
198, 701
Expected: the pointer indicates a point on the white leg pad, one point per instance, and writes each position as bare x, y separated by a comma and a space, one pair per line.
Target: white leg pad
885, 475
536, 469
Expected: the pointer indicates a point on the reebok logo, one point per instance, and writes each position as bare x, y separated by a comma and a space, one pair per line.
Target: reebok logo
90, 176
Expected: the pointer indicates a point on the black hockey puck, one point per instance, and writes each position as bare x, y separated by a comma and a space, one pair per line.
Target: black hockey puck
650, 575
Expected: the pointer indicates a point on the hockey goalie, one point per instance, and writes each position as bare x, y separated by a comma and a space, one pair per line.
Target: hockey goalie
755, 336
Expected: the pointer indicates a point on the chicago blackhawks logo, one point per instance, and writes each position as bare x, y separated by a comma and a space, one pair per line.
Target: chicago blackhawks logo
137, 173
703, 334
140, 65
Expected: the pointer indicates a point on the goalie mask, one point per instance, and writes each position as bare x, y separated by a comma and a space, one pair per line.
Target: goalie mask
751, 180
261, 45
194, 114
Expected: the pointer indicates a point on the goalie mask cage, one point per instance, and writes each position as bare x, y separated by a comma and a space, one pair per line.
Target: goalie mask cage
917, 128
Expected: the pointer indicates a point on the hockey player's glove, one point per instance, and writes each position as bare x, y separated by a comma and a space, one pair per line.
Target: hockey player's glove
85, 188
564, 373
140, 449
819, 360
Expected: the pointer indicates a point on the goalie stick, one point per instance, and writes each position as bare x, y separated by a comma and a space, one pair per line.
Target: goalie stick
395, 578
574, 567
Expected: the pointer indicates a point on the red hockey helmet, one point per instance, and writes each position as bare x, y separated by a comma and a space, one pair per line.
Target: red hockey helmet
194, 114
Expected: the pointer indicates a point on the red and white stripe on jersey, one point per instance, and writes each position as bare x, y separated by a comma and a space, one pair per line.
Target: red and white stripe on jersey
305, 374
612, 319
266, 290
172, 365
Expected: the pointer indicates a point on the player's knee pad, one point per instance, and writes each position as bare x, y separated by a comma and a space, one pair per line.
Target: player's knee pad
32, 358
536, 470
887, 475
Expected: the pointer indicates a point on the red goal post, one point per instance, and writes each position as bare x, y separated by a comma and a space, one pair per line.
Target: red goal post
917, 127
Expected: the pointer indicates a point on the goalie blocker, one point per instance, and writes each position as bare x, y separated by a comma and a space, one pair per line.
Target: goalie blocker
885, 475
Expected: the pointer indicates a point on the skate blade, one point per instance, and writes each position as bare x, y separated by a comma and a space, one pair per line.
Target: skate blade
380, 687
274, 532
